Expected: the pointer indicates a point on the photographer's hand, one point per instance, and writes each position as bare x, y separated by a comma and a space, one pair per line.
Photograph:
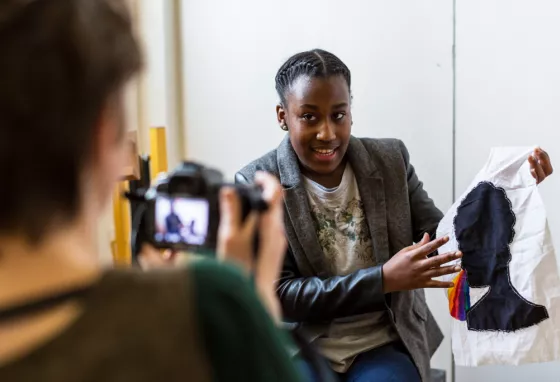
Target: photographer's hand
236, 238
152, 258
272, 244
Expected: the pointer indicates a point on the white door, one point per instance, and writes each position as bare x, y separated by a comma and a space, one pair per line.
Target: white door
508, 93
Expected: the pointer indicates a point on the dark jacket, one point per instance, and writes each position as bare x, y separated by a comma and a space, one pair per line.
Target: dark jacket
173, 223
203, 323
398, 212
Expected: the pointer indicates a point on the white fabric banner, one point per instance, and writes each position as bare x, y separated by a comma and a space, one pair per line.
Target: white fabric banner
505, 305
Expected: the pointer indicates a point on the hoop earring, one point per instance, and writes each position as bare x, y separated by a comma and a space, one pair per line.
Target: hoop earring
284, 127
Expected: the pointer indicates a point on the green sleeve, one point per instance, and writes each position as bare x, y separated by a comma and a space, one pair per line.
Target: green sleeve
242, 342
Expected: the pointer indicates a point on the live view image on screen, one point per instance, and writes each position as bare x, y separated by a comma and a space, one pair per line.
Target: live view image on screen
181, 220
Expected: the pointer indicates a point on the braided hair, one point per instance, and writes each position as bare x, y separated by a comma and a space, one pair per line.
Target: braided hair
313, 63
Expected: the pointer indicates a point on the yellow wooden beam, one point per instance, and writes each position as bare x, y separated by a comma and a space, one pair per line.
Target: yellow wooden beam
121, 207
158, 151
121, 215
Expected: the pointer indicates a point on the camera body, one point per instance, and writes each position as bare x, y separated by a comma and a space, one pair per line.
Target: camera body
183, 210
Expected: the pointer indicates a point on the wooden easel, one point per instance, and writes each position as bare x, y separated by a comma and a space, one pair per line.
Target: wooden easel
133, 176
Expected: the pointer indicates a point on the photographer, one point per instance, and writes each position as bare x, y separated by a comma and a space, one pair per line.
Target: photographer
64, 66
235, 242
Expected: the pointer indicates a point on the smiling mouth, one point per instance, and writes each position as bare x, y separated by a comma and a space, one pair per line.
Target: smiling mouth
324, 152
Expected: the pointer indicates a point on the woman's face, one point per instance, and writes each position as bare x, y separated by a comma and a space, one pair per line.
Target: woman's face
319, 120
112, 152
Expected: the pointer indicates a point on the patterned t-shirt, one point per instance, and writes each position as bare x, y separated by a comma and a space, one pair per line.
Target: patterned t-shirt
343, 234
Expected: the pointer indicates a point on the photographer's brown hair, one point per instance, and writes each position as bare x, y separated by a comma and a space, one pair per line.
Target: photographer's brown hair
62, 61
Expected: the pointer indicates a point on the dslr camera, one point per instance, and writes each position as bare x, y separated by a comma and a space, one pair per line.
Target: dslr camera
181, 210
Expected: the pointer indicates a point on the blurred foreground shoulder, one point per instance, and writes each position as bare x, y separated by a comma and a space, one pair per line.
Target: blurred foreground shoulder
241, 340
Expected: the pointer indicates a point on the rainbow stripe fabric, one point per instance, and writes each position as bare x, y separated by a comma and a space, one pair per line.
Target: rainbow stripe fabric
459, 297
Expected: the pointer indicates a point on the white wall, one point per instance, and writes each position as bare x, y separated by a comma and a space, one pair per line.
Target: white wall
160, 85
399, 53
508, 93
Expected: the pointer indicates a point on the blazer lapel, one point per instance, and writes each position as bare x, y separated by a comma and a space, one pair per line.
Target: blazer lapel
297, 207
372, 192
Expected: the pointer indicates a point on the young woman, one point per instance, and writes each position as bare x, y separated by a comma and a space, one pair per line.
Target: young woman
64, 68
354, 208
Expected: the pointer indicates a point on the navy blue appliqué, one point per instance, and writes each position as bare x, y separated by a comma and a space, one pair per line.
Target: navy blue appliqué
484, 228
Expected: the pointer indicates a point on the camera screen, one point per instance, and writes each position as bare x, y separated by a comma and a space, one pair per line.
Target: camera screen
181, 220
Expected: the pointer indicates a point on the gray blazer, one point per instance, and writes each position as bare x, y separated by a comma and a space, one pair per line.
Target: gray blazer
398, 212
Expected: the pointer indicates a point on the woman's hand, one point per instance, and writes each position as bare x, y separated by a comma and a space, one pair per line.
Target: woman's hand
236, 239
412, 269
540, 165
151, 258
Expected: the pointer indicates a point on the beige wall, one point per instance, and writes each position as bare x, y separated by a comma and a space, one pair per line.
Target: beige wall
133, 97
154, 97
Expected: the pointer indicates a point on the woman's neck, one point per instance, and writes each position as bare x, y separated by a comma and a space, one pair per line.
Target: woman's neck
327, 180
65, 259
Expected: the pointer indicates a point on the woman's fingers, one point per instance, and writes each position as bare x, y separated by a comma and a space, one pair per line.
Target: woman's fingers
544, 160
272, 189
272, 236
169, 255
151, 258
437, 261
230, 209
430, 247
233, 245
442, 271
536, 169
270, 258
438, 284
425, 240
250, 225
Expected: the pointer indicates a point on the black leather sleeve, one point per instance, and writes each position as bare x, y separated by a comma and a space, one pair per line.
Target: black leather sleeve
315, 300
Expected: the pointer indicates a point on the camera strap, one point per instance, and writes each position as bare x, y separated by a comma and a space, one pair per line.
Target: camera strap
42, 304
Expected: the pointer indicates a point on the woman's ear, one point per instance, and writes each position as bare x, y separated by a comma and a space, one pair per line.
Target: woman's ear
110, 143
281, 116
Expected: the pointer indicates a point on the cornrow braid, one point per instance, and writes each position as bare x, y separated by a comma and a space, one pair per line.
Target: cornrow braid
313, 63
